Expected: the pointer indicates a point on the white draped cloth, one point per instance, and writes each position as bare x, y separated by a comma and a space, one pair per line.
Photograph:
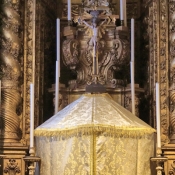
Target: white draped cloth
94, 136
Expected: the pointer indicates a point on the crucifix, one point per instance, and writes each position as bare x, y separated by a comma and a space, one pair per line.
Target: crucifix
96, 32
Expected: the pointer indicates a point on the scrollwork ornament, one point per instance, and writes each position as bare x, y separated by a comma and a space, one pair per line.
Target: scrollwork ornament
127, 103
172, 169
110, 57
71, 53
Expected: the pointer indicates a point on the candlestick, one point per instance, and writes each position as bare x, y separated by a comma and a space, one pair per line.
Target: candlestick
158, 115
132, 87
57, 87
32, 160
132, 39
31, 115
160, 162
121, 10
94, 63
69, 10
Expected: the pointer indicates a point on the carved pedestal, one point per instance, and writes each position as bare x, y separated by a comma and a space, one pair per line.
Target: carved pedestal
12, 162
169, 152
11, 66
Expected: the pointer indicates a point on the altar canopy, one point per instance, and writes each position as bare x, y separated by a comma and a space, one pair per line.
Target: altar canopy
94, 135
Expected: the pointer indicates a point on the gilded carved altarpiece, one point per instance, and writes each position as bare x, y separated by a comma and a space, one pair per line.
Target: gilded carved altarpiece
25, 45
159, 20
19, 68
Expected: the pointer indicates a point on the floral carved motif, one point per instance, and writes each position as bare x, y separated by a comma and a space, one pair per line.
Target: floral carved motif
157, 37
172, 66
163, 67
70, 53
128, 103
28, 61
12, 168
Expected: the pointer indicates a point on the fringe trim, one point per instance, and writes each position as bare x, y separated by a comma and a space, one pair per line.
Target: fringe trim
113, 131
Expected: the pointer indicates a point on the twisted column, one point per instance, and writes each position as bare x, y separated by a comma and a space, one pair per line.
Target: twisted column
10, 70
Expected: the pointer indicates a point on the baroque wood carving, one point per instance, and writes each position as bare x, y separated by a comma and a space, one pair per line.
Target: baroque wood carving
11, 59
163, 76
158, 60
112, 46
128, 103
12, 167
35, 69
172, 68
28, 66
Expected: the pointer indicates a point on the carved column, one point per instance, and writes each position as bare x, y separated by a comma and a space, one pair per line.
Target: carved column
169, 149
157, 23
162, 68
10, 70
11, 64
172, 66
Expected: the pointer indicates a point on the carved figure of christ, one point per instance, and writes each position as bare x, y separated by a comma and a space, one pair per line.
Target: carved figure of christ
94, 41
95, 32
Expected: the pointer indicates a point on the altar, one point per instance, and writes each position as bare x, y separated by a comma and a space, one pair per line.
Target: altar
87, 56
95, 135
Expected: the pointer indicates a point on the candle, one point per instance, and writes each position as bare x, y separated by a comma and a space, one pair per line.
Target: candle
132, 67
58, 38
132, 87
57, 67
121, 10
31, 115
158, 115
132, 39
69, 9
124, 13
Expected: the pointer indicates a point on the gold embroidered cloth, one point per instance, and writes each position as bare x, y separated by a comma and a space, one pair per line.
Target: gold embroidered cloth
94, 136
